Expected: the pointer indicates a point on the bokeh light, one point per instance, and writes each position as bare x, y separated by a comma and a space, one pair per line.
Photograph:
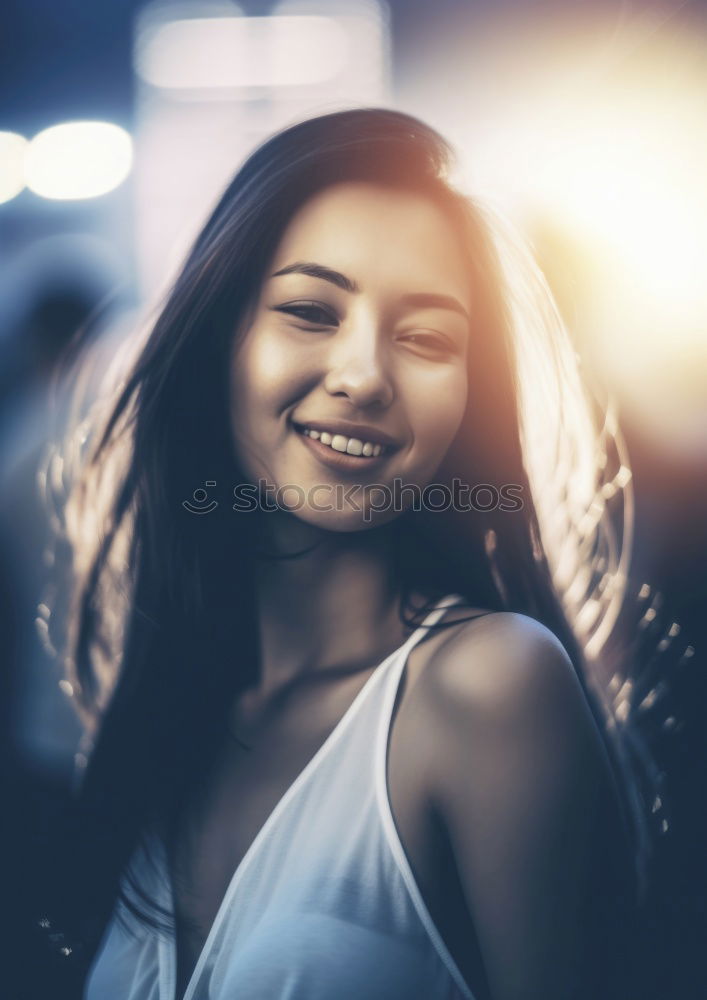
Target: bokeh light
77, 160
225, 52
12, 165
212, 82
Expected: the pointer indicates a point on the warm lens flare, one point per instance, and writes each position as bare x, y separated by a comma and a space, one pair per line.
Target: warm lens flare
614, 160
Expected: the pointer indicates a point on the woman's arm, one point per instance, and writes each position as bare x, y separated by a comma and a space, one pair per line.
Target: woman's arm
522, 783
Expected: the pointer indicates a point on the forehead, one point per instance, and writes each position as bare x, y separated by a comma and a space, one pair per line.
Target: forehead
373, 233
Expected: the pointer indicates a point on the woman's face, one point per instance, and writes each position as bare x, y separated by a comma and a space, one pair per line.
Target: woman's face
360, 334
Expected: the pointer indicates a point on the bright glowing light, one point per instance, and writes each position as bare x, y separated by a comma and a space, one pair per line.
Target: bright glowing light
607, 170
226, 52
631, 192
12, 164
78, 160
636, 201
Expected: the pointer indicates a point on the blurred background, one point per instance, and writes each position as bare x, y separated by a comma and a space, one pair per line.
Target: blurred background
585, 123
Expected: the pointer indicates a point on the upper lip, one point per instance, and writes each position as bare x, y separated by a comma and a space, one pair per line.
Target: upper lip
363, 432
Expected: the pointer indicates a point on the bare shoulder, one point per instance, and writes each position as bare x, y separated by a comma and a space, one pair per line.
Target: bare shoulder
517, 775
504, 664
502, 696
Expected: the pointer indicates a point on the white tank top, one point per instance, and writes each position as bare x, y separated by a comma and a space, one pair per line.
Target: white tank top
323, 904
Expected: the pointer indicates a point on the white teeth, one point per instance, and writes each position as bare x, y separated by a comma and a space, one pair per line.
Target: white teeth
348, 446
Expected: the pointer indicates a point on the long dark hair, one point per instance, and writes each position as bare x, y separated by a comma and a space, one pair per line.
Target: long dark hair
160, 634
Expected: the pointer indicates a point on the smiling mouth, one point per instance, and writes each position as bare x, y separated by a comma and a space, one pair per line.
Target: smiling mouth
341, 452
343, 444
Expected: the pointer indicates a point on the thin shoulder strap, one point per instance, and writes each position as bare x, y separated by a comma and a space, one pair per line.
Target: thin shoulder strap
399, 661
385, 810
431, 618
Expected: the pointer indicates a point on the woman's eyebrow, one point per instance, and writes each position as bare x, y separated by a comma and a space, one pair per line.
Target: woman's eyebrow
319, 271
415, 300
433, 300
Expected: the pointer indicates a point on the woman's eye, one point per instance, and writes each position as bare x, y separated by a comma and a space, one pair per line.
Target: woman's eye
430, 342
311, 312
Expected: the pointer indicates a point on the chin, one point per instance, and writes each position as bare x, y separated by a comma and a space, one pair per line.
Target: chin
345, 522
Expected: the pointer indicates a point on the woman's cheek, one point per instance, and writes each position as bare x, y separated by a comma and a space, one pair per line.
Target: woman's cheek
438, 427
264, 369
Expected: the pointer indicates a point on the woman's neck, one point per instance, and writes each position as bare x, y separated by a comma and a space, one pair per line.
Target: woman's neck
336, 604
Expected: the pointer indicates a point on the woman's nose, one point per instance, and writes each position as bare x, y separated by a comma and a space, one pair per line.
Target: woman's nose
358, 368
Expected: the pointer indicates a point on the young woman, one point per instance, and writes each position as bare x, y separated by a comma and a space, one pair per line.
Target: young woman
344, 743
